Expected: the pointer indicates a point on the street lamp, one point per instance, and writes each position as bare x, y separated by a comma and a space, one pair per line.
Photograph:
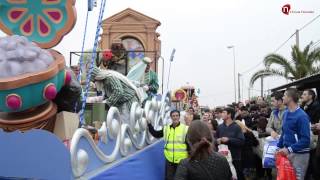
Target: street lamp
162, 74
171, 59
234, 71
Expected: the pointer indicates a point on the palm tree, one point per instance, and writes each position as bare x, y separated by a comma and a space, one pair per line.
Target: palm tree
303, 63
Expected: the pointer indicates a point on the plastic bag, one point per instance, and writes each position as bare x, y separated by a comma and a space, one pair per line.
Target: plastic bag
268, 156
224, 151
285, 169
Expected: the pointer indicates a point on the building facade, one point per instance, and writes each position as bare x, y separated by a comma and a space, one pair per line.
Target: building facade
136, 31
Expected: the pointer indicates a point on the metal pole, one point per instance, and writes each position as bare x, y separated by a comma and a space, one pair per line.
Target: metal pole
169, 75
234, 75
261, 86
242, 88
297, 38
239, 94
234, 71
171, 59
70, 58
162, 81
249, 93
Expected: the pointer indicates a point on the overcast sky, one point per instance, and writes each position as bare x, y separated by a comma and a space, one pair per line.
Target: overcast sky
201, 31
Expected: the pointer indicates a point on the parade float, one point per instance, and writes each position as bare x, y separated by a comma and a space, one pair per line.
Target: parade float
39, 137
186, 97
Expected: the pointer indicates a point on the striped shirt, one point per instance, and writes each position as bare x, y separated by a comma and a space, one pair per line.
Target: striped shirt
116, 91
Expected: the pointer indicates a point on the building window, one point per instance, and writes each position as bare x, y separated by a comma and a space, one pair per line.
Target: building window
136, 50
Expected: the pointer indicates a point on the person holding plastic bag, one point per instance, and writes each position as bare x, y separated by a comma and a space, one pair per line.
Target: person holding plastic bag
224, 151
230, 134
294, 141
269, 151
285, 169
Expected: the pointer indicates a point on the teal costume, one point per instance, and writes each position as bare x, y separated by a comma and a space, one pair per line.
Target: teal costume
151, 80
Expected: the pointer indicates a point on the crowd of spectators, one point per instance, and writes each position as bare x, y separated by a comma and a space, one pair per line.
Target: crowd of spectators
292, 117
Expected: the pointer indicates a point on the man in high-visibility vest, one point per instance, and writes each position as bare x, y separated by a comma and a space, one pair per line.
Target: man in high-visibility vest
175, 148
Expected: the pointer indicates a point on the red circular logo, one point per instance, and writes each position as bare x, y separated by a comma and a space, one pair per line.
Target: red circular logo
286, 9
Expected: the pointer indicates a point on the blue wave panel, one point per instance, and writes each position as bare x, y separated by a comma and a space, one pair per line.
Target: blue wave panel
94, 161
35, 154
148, 164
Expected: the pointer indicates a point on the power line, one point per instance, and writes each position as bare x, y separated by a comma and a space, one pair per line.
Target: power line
261, 62
252, 68
314, 45
284, 43
307, 24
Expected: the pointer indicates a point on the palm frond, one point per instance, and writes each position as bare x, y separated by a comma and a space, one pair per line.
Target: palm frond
276, 59
303, 63
297, 58
265, 73
315, 70
314, 56
307, 49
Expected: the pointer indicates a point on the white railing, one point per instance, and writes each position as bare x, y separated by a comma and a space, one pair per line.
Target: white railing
133, 133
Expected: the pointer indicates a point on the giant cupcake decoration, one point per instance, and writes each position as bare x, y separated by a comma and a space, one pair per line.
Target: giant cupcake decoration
29, 76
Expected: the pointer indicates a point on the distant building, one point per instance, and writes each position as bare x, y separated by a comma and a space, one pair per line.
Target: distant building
136, 31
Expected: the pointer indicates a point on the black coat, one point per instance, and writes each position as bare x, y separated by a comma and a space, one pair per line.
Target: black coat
313, 110
215, 167
248, 157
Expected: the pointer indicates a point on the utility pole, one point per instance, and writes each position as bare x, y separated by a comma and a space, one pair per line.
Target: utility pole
239, 94
234, 71
234, 75
297, 38
162, 82
262, 86
171, 59
242, 88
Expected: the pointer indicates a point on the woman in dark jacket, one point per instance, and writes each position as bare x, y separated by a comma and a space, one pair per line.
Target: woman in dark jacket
248, 156
203, 163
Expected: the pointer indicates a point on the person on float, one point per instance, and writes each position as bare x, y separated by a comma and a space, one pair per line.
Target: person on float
144, 77
117, 90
